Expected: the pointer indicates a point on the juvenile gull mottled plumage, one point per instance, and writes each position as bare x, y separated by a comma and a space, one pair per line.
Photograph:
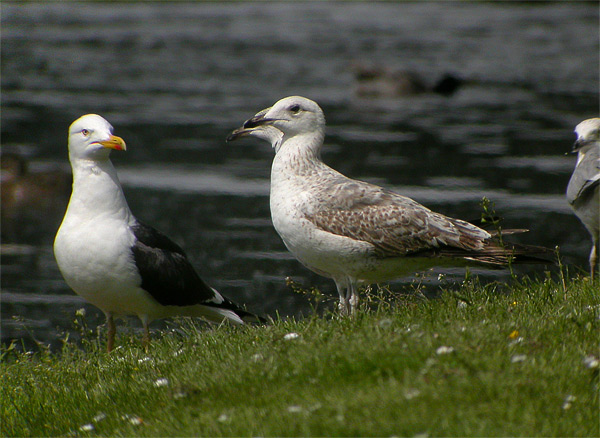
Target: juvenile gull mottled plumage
115, 262
583, 193
352, 231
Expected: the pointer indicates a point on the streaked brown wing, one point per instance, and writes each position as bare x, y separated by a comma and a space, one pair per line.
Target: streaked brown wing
395, 225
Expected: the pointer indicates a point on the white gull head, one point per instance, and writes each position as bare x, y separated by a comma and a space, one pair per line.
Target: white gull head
90, 138
588, 134
290, 117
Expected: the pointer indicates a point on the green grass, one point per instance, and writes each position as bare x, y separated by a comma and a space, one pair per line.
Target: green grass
515, 365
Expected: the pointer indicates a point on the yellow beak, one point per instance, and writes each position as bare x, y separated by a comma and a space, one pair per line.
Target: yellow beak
114, 142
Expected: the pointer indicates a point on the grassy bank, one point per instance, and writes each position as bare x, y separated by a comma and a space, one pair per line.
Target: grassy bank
475, 362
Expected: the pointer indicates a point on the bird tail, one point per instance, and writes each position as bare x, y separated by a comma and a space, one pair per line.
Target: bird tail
501, 254
498, 252
495, 254
234, 313
251, 318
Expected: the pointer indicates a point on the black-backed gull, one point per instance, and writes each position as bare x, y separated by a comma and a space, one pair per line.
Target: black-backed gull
116, 262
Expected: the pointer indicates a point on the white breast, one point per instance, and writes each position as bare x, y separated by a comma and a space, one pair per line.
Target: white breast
95, 258
93, 245
292, 199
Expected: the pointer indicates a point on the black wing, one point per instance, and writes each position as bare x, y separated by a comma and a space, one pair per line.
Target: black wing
167, 273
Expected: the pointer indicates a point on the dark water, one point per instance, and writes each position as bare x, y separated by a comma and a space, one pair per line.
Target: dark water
175, 79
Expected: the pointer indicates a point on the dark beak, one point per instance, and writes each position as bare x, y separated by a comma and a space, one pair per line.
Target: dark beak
579, 143
240, 132
251, 124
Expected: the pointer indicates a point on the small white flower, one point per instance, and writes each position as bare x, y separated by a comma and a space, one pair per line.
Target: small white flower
461, 305
518, 358
290, 336
132, 419
161, 382
87, 427
223, 418
568, 402
444, 350
256, 357
591, 362
411, 393
99, 417
179, 395
144, 359
385, 323
516, 341
294, 409
314, 407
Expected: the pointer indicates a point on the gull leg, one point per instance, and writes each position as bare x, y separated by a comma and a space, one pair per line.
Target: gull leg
146, 336
594, 260
348, 306
342, 289
112, 330
353, 297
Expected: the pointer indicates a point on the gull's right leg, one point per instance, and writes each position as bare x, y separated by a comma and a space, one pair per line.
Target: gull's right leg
342, 288
112, 330
146, 336
594, 260
353, 297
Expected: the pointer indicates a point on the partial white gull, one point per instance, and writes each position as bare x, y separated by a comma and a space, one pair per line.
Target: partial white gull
583, 193
352, 231
116, 262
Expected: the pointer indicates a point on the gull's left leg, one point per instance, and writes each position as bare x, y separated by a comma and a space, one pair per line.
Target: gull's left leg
353, 297
146, 336
342, 288
594, 260
112, 330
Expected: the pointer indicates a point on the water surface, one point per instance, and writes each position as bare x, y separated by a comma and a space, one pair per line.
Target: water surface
175, 79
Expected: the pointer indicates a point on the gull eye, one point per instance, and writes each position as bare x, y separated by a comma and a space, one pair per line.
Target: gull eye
85, 132
295, 108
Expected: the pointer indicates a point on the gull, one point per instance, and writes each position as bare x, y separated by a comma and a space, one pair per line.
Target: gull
113, 260
582, 192
351, 231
